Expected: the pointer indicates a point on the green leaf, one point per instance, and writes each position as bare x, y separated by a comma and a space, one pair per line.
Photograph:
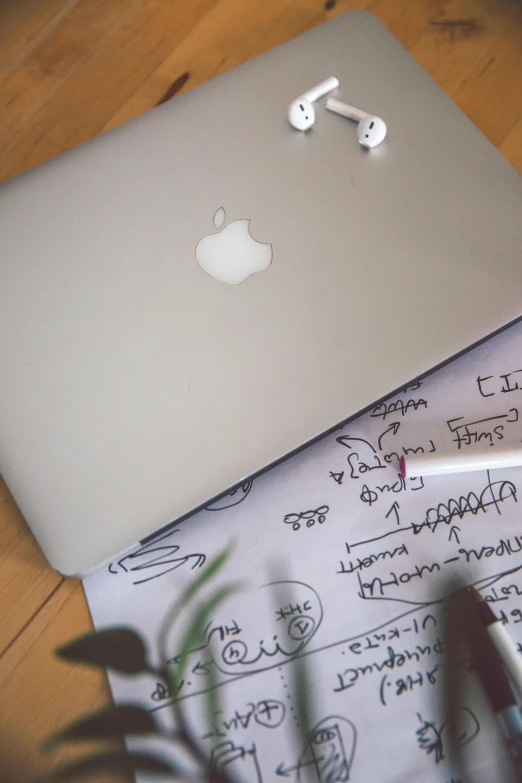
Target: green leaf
111, 722
194, 635
120, 649
301, 682
213, 702
204, 576
211, 568
192, 639
129, 763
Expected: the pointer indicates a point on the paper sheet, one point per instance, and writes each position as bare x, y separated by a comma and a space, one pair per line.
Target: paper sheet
363, 555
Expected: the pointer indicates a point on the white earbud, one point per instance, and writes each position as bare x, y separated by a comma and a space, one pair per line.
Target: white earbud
301, 113
371, 130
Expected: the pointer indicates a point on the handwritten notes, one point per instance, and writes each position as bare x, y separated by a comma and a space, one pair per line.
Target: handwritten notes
344, 563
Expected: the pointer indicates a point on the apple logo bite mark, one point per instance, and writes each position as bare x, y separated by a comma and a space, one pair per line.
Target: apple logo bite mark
232, 254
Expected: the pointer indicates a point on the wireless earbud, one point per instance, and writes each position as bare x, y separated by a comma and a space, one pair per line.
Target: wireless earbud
371, 130
301, 113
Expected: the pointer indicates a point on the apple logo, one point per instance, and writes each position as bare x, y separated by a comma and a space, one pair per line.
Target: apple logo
232, 254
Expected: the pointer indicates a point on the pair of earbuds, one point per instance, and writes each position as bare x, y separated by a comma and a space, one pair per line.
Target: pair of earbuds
371, 130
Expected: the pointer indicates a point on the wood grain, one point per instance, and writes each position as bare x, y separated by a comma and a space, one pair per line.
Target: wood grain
70, 69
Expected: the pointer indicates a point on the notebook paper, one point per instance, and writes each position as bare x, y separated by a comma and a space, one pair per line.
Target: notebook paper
342, 562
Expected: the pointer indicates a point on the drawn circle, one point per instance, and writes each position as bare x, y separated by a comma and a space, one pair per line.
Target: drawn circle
230, 652
301, 627
264, 716
234, 652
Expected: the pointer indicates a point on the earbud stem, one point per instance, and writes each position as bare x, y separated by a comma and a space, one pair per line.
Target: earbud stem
321, 89
338, 107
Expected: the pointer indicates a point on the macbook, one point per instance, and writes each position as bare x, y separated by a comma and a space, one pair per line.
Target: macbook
189, 298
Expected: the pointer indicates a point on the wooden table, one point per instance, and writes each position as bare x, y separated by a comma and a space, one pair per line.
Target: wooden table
70, 69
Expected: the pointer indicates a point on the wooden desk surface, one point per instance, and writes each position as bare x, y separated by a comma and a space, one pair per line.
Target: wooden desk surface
70, 69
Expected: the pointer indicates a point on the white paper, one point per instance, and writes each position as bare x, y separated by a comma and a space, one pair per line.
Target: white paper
364, 555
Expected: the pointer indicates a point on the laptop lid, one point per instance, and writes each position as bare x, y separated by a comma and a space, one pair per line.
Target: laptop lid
135, 386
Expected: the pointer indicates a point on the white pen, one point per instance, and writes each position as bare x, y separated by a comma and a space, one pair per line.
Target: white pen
506, 647
435, 464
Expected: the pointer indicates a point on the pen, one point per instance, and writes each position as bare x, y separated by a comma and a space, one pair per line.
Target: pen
505, 646
488, 664
435, 464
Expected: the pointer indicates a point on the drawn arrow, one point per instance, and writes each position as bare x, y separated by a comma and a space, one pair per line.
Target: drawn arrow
395, 507
183, 657
201, 668
453, 532
285, 772
393, 427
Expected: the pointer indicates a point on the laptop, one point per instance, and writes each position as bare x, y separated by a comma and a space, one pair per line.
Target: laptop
137, 386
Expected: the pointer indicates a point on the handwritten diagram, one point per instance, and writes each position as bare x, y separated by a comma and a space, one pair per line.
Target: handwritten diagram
344, 566
239, 762
306, 518
433, 738
237, 646
331, 749
233, 498
159, 557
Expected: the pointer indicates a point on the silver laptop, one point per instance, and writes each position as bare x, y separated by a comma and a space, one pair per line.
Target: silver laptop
136, 386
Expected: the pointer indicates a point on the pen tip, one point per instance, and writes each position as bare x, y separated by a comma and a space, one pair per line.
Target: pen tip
486, 614
402, 467
476, 595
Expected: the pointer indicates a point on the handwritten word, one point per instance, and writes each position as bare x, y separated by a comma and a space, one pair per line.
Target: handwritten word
163, 692
505, 591
371, 496
384, 409
224, 631
268, 713
407, 684
310, 517
367, 562
468, 432
349, 677
506, 546
394, 455
375, 641
289, 610
489, 382
379, 586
